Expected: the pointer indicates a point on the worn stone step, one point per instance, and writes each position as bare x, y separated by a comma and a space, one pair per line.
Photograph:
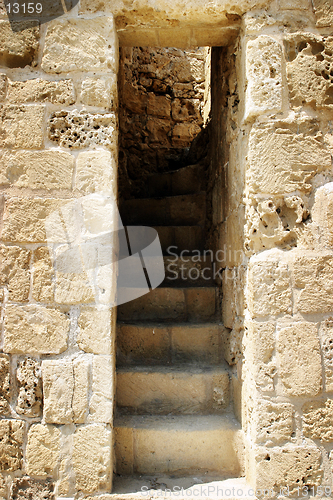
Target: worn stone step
188, 270
180, 445
174, 210
172, 304
164, 390
181, 238
162, 344
186, 180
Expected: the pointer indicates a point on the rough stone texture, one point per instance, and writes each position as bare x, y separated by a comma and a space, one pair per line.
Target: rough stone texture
43, 448
3, 86
95, 331
3, 488
300, 363
4, 384
260, 347
43, 276
326, 342
101, 402
73, 288
80, 45
26, 488
309, 71
15, 272
80, 394
317, 420
29, 400
294, 467
264, 76
96, 172
37, 170
273, 422
60, 92
22, 126
313, 275
18, 43
78, 129
324, 12
92, 458
35, 329
322, 214
269, 287
100, 92
11, 443
284, 157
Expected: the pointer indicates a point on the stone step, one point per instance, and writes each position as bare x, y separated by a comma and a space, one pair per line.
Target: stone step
188, 271
180, 445
193, 304
186, 180
162, 344
175, 210
165, 390
181, 238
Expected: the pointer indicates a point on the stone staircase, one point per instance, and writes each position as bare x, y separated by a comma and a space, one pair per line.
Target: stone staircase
174, 411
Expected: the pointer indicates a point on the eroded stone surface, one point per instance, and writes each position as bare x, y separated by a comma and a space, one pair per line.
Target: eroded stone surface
326, 341
11, 443
260, 346
95, 331
95, 172
61, 92
29, 400
43, 276
26, 488
100, 92
101, 402
4, 384
15, 272
35, 329
3, 488
22, 126
18, 46
324, 12
317, 420
43, 448
3, 86
273, 422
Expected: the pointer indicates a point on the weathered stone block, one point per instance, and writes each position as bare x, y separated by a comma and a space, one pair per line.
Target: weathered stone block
295, 4
15, 272
96, 171
11, 443
269, 286
317, 420
37, 170
4, 384
78, 129
285, 157
18, 43
308, 72
38, 90
26, 488
326, 342
92, 451
159, 105
3, 86
95, 331
273, 422
184, 133
264, 76
3, 488
100, 92
324, 12
186, 110
35, 329
313, 275
260, 346
101, 402
80, 45
30, 397
43, 449
80, 394
43, 276
22, 126
300, 362
73, 288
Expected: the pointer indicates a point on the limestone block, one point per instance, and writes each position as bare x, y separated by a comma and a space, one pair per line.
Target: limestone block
3, 488
159, 129
101, 402
15, 272
43, 448
264, 77
324, 12
26, 488
92, 451
220, 391
37, 170
158, 105
18, 43
184, 133
78, 129
30, 396
96, 171
3, 86
95, 331
322, 213
309, 70
80, 45
58, 389
326, 342
184, 110
11, 443
285, 157
43, 276
73, 288
300, 363
38, 90
313, 275
273, 422
22, 126
24, 219
80, 394
4, 384
100, 92
269, 286
292, 467
35, 329
260, 346
295, 4
317, 420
